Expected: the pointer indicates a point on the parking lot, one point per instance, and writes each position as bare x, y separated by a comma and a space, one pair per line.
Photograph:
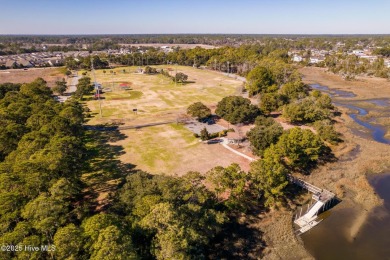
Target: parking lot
196, 127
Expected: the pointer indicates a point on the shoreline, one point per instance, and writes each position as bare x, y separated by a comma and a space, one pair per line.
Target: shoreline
349, 176
358, 158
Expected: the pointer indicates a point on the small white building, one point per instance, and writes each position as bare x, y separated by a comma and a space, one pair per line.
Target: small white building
369, 57
316, 59
166, 49
358, 52
297, 58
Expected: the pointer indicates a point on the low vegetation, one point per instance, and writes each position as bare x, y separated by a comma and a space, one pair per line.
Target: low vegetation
310, 109
41, 159
85, 63
7, 87
300, 149
327, 132
150, 70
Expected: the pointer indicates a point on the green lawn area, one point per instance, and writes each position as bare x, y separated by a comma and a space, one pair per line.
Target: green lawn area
157, 98
122, 95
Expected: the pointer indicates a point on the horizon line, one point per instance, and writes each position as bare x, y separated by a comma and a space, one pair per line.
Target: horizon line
199, 34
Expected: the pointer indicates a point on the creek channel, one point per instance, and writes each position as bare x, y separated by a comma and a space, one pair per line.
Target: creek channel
340, 98
331, 239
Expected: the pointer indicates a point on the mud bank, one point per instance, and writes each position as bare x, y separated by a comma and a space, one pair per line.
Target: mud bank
359, 157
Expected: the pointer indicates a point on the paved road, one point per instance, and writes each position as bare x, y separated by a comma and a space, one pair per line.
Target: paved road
72, 86
71, 89
114, 128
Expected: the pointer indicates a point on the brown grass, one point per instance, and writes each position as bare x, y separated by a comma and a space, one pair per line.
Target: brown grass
363, 87
168, 149
51, 75
357, 156
279, 237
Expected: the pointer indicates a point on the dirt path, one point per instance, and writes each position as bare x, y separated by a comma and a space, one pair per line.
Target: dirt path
225, 144
72, 87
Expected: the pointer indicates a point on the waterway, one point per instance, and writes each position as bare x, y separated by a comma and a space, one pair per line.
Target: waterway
332, 239
341, 98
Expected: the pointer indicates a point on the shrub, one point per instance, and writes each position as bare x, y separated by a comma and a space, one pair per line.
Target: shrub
204, 134
300, 148
327, 132
259, 80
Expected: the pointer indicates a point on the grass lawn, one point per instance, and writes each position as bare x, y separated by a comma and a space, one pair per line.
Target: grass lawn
156, 96
171, 148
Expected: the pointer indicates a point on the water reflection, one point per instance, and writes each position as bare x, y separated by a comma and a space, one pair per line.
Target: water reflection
378, 132
334, 92
332, 239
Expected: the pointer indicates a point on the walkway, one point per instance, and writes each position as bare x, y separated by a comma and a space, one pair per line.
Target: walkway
225, 144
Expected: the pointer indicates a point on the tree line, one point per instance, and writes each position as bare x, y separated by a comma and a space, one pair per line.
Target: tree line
41, 157
13, 44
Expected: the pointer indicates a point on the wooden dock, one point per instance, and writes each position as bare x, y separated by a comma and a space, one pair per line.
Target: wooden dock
323, 200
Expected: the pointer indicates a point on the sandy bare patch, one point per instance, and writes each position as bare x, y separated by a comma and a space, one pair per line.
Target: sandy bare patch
163, 149
51, 75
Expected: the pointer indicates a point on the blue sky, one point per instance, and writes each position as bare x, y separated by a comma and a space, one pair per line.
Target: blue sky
195, 16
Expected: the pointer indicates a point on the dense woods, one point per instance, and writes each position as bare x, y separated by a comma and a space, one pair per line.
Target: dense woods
42, 156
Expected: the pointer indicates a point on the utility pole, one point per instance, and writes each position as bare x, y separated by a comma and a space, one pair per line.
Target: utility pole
175, 74
96, 87
112, 78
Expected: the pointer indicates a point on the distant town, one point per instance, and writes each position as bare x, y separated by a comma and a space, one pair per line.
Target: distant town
346, 56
